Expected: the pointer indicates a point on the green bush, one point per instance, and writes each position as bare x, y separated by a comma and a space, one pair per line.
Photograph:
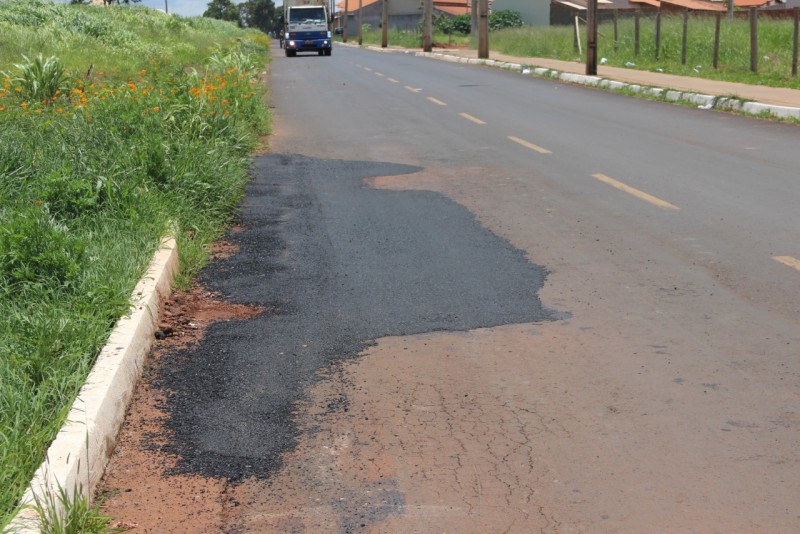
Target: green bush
504, 19
460, 24
35, 248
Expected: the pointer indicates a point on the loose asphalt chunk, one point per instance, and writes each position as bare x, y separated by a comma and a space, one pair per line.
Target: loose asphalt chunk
337, 265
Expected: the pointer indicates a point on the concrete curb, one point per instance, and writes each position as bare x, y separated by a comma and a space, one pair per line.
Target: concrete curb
700, 100
77, 458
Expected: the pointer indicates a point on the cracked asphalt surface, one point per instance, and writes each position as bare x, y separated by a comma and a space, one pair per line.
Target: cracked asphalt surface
337, 265
662, 397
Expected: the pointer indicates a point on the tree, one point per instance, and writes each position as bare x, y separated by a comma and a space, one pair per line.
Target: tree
260, 14
109, 2
223, 10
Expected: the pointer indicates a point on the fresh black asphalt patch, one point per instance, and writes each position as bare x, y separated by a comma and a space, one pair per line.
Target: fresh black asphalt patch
338, 265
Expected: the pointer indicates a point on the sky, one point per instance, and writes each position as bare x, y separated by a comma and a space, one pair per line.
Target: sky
187, 8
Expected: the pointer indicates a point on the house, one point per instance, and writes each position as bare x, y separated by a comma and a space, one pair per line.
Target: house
403, 14
550, 12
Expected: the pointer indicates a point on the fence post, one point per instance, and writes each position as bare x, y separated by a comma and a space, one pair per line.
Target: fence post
685, 36
636, 33
716, 40
795, 39
753, 40
658, 33
576, 40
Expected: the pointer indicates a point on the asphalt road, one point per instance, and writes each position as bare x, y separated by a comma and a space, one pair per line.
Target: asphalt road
502, 304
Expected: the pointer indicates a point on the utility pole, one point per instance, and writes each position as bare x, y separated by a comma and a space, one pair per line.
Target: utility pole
473, 29
166, 7
483, 29
344, 26
730, 9
427, 25
591, 38
360, 25
385, 24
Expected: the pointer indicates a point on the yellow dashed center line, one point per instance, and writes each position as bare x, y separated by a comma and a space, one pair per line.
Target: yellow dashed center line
393, 80
527, 144
368, 69
635, 192
436, 101
471, 118
412, 89
788, 260
379, 74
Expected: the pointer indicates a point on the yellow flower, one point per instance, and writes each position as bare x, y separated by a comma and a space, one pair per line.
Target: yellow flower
156, 109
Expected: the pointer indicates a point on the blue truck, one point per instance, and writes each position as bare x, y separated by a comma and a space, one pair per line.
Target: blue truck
306, 27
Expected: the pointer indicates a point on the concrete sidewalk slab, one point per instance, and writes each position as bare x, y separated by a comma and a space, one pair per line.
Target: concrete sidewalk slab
705, 94
777, 102
778, 96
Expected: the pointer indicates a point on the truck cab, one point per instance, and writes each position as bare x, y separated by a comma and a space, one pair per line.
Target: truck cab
307, 30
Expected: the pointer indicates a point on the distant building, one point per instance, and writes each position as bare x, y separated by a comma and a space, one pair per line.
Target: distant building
556, 12
533, 12
403, 14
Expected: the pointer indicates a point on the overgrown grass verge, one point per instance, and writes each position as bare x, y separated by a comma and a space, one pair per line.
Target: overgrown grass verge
557, 42
405, 38
114, 122
775, 52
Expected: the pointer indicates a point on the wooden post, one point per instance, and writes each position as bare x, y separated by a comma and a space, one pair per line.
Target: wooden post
576, 35
385, 24
473, 21
616, 32
795, 40
658, 33
685, 36
360, 24
427, 25
717, 24
636, 32
344, 26
753, 40
591, 38
483, 29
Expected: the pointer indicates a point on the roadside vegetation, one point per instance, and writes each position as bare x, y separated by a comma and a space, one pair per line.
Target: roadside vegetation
509, 36
117, 124
774, 36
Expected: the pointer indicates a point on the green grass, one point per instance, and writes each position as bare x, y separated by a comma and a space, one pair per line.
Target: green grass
775, 52
557, 42
131, 120
405, 38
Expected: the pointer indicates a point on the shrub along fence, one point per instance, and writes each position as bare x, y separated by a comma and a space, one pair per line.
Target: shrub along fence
781, 36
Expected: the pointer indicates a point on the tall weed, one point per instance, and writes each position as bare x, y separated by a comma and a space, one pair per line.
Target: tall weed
148, 122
